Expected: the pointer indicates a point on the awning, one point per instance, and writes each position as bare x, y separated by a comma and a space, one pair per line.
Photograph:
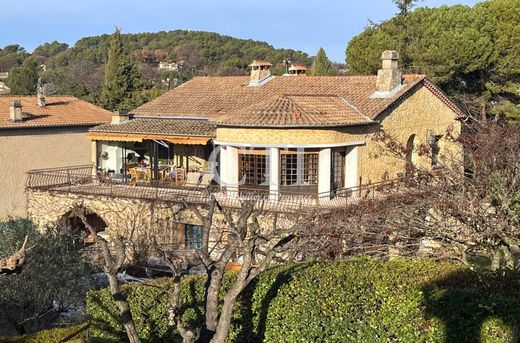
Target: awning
137, 137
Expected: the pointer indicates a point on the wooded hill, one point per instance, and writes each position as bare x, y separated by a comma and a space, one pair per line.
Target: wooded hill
78, 70
472, 53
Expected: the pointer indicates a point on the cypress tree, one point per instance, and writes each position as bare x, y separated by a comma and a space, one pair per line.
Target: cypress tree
122, 77
321, 65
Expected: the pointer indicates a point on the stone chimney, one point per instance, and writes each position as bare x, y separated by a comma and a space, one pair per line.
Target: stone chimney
260, 73
15, 111
390, 77
39, 95
119, 117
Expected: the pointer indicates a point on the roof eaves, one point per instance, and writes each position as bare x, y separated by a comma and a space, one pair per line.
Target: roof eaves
39, 126
295, 126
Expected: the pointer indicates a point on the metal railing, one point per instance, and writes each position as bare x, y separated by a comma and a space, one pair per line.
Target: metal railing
82, 180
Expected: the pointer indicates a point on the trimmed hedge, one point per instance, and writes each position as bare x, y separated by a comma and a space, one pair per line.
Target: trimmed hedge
73, 333
357, 300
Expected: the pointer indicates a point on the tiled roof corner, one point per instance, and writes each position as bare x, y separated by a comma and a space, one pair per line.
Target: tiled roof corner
59, 111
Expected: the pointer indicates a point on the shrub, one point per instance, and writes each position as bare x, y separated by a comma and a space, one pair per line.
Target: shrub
53, 272
357, 300
74, 333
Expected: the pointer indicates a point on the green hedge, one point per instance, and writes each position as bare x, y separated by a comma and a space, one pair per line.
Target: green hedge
73, 333
364, 300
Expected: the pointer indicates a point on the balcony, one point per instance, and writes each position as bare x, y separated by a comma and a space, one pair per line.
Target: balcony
82, 180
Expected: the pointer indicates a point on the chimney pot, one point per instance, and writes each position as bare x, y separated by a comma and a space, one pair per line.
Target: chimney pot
15, 111
119, 117
390, 76
260, 73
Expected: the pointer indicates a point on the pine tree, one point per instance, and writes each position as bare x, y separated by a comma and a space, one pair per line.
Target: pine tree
122, 77
405, 6
321, 64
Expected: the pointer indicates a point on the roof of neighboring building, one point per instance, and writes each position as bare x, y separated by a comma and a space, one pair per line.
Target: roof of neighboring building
296, 111
179, 127
59, 111
212, 97
298, 67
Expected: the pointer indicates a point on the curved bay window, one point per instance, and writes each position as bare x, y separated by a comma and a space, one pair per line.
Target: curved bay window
299, 171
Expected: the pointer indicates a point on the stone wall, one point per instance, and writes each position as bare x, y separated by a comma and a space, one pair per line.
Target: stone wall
136, 220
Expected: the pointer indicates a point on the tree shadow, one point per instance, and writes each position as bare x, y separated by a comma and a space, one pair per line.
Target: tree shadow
472, 305
251, 318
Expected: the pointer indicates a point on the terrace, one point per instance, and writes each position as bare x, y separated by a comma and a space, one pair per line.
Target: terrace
82, 180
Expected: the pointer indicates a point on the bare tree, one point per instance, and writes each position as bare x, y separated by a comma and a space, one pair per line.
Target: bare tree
250, 235
471, 212
112, 265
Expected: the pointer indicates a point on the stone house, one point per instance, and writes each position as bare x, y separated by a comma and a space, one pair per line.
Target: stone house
311, 140
41, 133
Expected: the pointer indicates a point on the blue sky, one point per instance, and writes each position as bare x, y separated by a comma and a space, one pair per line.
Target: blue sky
299, 24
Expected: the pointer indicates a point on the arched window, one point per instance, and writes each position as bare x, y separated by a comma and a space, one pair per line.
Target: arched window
76, 224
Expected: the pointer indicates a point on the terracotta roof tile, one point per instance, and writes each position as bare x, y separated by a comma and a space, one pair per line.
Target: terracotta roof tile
296, 111
213, 97
178, 127
59, 111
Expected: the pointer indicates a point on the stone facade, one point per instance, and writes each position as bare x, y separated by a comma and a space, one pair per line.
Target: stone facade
141, 223
421, 114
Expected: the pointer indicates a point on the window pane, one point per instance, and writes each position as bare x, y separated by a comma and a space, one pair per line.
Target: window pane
253, 169
298, 168
192, 236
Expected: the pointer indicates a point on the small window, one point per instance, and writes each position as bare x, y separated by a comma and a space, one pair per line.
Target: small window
192, 236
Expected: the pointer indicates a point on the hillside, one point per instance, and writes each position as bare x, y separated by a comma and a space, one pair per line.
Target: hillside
78, 70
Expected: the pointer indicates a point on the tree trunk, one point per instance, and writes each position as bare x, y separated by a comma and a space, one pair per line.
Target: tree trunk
212, 310
226, 314
111, 267
188, 336
124, 309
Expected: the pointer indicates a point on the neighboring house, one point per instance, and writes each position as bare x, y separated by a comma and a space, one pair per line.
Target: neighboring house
3, 86
292, 140
41, 133
170, 66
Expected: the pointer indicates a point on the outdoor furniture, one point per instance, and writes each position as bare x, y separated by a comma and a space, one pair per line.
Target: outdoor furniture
179, 175
192, 179
136, 175
205, 181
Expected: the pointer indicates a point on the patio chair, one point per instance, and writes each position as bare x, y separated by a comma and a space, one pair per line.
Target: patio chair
135, 176
179, 176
